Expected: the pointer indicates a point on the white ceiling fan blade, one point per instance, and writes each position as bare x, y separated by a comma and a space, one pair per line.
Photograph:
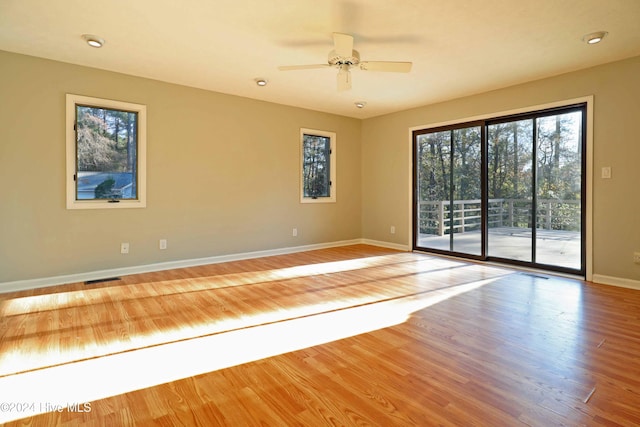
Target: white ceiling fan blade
302, 67
343, 44
344, 79
394, 67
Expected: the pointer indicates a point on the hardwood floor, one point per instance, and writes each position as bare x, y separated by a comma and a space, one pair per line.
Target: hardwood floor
355, 335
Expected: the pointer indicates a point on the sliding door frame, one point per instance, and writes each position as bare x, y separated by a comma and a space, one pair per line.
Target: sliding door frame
587, 180
452, 153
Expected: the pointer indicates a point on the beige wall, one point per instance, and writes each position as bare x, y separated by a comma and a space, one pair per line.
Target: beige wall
223, 170
616, 88
222, 175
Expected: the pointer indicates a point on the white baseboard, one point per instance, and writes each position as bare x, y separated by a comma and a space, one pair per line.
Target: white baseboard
21, 285
387, 245
616, 281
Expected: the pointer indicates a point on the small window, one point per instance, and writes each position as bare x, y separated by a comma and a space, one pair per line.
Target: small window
106, 148
318, 154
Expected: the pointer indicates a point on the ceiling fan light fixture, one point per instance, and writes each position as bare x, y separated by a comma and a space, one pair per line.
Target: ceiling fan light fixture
594, 38
261, 82
93, 41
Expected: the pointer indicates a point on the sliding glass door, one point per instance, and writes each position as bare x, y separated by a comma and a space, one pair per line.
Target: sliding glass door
559, 189
508, 189
449, 194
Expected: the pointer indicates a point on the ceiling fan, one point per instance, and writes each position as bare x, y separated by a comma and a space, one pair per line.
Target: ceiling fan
344, 57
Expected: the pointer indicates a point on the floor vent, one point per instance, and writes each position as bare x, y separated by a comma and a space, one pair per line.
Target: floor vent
107, 279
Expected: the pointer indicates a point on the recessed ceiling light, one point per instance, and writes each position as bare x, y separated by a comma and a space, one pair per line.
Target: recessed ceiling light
594, 38
93, 41
360, 104
261, 82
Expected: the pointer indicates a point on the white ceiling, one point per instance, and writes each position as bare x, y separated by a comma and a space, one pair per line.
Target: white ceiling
458, 47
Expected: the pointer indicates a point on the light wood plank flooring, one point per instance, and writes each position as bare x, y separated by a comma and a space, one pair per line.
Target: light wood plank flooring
355, 335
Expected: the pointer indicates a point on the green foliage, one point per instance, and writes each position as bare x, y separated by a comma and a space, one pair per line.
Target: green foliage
316, 164
104, 189
449, 167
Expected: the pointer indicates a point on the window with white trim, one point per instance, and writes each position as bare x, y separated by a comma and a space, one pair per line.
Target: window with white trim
318, 166
106, 153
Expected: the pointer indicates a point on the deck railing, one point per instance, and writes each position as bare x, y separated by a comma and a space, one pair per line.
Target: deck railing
552, 214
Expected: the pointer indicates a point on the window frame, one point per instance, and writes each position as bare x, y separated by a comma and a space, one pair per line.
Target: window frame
332, 166
71, 153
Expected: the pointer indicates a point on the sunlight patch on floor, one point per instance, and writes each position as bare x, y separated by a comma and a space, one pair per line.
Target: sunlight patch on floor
102, 377
56, 301
60, 341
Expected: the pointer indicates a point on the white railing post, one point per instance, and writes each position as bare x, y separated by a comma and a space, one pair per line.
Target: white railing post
441, 218
510, 212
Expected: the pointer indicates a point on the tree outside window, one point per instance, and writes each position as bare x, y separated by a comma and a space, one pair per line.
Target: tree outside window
318, 166
106, 148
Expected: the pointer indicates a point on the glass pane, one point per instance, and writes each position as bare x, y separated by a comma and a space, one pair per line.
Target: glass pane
106, 146
315, 163
559, 178
467, 192
510, 193
433, 168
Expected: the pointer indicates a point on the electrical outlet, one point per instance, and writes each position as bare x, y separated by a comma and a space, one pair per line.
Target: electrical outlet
294, 233
124, 248
162, 244
606, 172
636, 257
393, 229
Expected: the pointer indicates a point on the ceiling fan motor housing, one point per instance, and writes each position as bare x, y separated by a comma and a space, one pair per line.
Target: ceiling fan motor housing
350, 61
